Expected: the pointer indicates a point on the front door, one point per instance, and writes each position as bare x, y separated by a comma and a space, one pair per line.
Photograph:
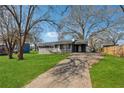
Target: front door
83, 48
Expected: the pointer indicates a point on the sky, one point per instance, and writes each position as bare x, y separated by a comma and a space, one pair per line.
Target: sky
50, 37
49, 34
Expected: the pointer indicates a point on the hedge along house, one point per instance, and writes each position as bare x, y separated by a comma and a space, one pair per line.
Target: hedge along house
62, 46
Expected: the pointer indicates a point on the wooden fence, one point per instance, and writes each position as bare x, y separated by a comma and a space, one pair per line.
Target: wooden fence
114, 50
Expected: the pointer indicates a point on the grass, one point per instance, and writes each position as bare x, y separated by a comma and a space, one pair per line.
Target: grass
15, 74
108, 73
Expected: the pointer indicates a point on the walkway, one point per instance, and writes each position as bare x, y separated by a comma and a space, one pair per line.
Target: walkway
72, 72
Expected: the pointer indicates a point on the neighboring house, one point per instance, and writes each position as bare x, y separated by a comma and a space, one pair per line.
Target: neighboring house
62, 46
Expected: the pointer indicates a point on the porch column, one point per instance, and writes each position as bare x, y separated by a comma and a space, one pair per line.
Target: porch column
73, 48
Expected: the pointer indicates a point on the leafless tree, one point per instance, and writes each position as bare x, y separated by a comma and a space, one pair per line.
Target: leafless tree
82, 21
26, 18
85, 22
113, 35
8, 31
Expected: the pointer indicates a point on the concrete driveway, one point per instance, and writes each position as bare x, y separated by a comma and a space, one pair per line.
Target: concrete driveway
72, 72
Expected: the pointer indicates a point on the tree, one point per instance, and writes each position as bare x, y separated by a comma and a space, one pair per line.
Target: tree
94, 43
82, 21
114, 33
113, 36
26, 17
8, 31
91, 22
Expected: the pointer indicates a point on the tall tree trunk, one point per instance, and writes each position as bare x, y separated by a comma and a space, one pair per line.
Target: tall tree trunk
11, 49
35, 45
20, 53
21, 46
10, 55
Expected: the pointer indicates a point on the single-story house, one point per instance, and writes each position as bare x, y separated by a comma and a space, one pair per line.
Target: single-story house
62, 46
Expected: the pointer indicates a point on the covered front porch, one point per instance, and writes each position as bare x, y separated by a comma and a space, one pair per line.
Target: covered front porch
79, 47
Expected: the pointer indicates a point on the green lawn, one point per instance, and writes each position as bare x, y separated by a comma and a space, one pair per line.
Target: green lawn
14, 73
108, 73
